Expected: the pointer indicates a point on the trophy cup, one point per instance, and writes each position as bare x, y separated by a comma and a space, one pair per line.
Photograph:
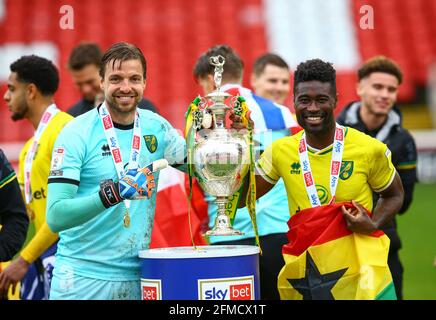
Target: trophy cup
220, 156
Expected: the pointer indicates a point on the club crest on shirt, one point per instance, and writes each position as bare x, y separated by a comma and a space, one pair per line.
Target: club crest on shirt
346, 169
151, 142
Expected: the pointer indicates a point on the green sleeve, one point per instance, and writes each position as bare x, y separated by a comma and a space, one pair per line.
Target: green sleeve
65, 211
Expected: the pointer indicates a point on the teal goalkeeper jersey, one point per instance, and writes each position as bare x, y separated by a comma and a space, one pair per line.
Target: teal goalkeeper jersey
103, 248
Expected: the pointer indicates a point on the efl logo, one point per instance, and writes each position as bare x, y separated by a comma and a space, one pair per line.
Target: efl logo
107, 123
340, 135
117, 155
238, 288
151, 289
302, 147
136, 142
308, 179
335, 167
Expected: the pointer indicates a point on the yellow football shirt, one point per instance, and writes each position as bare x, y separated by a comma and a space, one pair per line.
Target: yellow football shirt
366, 167
43, 238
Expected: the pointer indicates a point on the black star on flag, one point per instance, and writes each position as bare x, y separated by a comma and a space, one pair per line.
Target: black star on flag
316, 286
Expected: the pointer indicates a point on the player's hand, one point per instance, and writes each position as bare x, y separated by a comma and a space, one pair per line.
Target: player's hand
357, 219
137, 184
237, 121
11, 275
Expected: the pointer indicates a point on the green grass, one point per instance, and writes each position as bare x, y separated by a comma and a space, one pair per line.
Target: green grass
417, 229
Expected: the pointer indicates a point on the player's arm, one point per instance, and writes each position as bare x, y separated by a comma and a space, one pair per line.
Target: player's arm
13, 217
13, 220
262, 187
65, 211
389, 203
406, 168
387, 206
385, 181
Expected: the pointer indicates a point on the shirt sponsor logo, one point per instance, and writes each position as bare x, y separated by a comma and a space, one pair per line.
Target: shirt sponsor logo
151, 289
39, 194
238, 288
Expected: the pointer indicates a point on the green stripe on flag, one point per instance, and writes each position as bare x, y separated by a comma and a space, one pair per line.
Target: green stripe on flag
387, 293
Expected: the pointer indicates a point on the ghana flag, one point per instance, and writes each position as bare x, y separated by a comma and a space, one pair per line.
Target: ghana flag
326, 261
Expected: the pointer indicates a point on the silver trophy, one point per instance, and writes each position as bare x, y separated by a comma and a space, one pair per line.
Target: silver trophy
221, 156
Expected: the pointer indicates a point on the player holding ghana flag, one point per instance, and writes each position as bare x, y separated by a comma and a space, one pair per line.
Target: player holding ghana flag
335, 250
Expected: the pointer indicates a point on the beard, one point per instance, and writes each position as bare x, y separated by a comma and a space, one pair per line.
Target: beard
20, 114
122, 108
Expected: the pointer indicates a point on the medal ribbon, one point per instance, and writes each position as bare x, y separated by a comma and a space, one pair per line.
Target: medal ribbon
335, 166
48, 115
111, 138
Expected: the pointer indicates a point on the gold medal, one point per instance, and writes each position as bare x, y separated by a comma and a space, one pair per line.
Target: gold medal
126, 219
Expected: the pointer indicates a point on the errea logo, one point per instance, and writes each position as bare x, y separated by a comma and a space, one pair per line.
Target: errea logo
106, 151
295, 168
238, 288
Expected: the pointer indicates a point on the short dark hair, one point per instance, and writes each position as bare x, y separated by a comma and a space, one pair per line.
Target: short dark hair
380, 64
233, 67
315, 70
85, 54
122, 51
39, 71
261, 62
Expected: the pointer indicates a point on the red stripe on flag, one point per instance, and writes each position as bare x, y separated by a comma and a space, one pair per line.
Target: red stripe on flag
315, 226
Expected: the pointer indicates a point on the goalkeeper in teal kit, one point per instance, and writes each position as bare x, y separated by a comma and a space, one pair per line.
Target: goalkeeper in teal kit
103, 162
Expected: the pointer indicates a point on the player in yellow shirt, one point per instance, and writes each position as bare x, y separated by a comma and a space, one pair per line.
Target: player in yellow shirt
31, 85
335, 250
366, 166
